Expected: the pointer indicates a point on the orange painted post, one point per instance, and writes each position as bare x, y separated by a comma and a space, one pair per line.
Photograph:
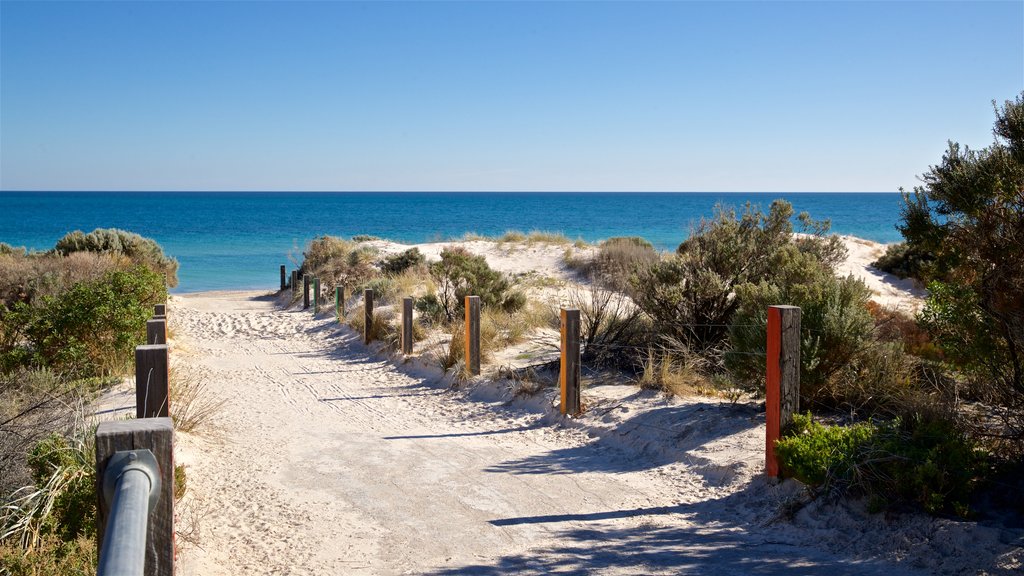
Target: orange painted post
472, 335
407, 325
367, 315
782, 378
569, 371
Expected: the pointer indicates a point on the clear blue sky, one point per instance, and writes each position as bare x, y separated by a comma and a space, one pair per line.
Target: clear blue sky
674, 96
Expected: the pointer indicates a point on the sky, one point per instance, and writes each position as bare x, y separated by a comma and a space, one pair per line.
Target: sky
503, 96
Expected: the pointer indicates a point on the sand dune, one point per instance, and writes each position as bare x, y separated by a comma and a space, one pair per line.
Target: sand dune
332, 458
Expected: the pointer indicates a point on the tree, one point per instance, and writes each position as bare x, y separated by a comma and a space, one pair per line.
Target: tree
969, 214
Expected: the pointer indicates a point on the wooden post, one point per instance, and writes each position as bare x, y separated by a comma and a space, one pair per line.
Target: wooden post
157, 436
305, 291
316, 295
472, 335
159, 311
295, 284
782, 382
407, 325
151, 376
283, 282
339, 302
156, 331
367, 315
569, 371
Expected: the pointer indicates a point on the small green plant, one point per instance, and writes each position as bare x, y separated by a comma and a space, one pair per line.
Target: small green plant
461, 273
180, 481
927, 463
399, 263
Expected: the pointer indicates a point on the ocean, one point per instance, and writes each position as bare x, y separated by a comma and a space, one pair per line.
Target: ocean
237, 240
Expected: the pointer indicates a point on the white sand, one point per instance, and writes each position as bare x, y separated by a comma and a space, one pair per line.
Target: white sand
333, 459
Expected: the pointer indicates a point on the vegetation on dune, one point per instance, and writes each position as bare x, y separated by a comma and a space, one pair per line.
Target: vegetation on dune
70, 319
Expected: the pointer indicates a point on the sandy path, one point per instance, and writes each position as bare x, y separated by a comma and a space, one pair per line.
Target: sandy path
331, 460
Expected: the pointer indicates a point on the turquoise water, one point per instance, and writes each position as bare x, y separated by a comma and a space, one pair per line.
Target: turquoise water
237, 240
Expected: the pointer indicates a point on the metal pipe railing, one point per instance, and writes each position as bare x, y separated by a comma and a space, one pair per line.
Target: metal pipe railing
131, 488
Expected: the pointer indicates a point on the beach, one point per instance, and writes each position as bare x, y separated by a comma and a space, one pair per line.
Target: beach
334, 457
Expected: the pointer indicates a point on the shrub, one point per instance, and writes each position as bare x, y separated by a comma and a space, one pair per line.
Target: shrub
430, 309
835, 324
364, 238
139, 250
93, 328
619, 259
905, 260
339, 262
399, 263
928, 463
461, 273
612, 329
692, 296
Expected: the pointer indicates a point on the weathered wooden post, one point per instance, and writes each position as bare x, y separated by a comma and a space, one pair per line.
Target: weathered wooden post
151, 379
569, 372
472, 335
316, 295
407, 325
160, 311
156, 331
305, 291
283, 282
339, 302
128, 437
367, 315
782, 382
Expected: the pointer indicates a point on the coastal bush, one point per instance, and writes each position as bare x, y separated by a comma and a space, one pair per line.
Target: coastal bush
359, 238
136, 248
969, 215
692, 296
339, 262
835, 325
905, 261
613, 330
399, 263
460, 273
927, 463
619, 259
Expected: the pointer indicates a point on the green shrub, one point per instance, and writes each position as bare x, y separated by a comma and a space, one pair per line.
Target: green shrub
619, 259
430, 309
74, 503
398, 263
905, 261
460, 273
50, 556
339, 262
138, 249
93, 328
835, 324
927, 463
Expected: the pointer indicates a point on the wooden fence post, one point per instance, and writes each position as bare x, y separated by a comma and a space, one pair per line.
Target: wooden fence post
305, 291
367, 315
316, 295
295, 283
160, 311
782, 382
157, 436
156, 331
151, 379
472, 366
407, 325
283, 282
339, 302
569, 372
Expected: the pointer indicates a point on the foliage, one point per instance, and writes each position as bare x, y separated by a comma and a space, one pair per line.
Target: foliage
138, 249
398, 263
359, 238
969, 215
613, 330
193, 401
339, 262
51, 556
619, 259
692, 296
91, 329
836, 326
460, 273
905, 261
928, 463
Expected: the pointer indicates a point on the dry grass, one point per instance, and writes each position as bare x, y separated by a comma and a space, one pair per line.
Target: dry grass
194, 406
678, 373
